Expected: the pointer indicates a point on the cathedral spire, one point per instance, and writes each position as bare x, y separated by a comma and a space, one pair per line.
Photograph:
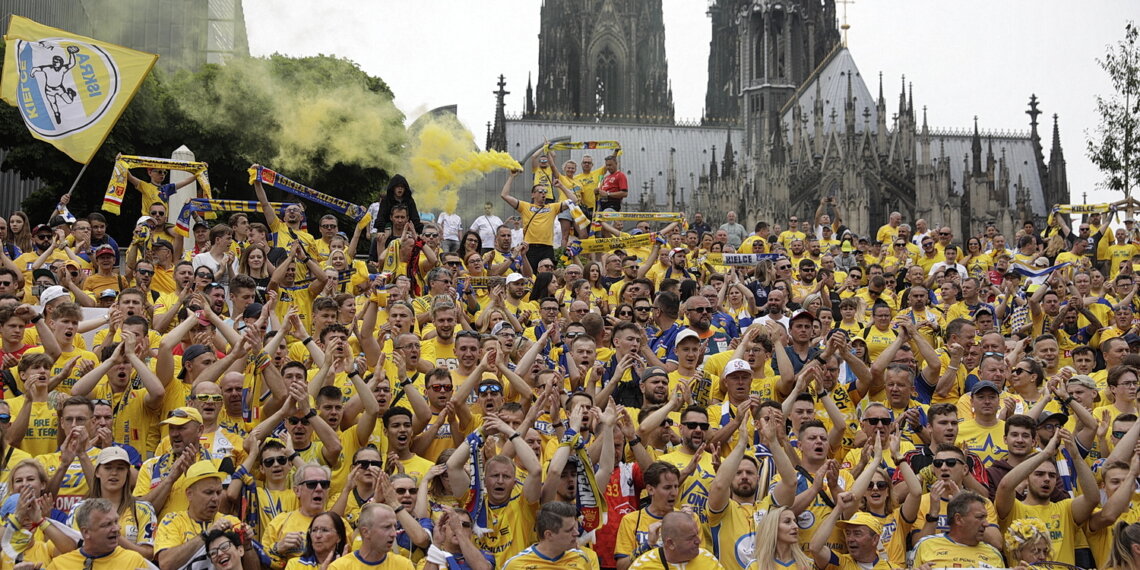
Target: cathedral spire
529, 110
729, 160
1058, 191
498, 138
976, 149
849, 108
712, 166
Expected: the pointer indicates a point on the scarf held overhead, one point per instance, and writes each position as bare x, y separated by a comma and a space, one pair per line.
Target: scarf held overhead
601, 245
584, 145
201, 206
276, 180
117, 188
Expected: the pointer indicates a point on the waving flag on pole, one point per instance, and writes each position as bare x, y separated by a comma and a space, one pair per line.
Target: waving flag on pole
70, 89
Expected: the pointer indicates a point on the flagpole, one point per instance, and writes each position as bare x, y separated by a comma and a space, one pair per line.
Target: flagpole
77, 177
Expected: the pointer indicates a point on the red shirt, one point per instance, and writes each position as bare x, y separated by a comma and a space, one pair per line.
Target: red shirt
615, 182
621, 495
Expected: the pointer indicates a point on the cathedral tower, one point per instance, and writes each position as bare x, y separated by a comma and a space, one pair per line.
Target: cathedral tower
603, 60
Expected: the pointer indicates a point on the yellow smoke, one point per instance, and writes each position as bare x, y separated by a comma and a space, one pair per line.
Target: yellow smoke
444, 158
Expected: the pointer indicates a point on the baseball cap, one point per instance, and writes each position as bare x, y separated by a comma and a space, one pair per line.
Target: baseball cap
984, 385
202, 470
500, 327
57, 220
108, 294
252, 311
190, 353
1132, 338
143, 219
515, 277
684, 334
52, 293
162, 243
104, 249
42, 272
182, 416
1063, 417
111, 455
803, 314
41, 228
652, 371
736, 365
635, 232
863, 519
1084, 380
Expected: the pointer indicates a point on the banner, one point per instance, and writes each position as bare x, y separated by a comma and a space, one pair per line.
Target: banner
271, 178
1078, 209
69, 89
739, 259
602, 245
117, 187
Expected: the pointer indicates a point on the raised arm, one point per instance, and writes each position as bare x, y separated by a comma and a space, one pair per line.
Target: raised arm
263, 200
505, 194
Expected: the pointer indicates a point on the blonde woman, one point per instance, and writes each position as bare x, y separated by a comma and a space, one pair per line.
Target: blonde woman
777, 542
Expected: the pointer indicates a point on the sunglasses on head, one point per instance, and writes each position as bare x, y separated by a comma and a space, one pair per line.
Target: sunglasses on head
366, 463
949, 462
313, 484
703, 426
271, 461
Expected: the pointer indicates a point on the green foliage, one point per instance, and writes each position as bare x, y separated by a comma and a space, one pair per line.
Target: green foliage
1114, 148
320, 120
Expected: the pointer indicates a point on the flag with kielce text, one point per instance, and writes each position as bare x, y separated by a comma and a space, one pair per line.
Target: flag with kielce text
69, 89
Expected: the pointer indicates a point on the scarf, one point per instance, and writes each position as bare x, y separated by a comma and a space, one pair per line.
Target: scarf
641, 216
202, 206
602, 245
584, 145
477, 503
276, 180
1079, 209
117, 188
738, 259
590, 499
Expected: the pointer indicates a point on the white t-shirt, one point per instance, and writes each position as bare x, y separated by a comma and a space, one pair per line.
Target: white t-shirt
452, 225
486, 226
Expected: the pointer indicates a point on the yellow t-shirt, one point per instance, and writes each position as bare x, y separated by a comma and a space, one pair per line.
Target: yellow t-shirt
177, 528
573, 559
538, 222
652, 561
1058, 517
43, 423
57, 368
512, 527
734, 531
74, 486
120, 559
391, 561
988, 443
137, 524
941, 552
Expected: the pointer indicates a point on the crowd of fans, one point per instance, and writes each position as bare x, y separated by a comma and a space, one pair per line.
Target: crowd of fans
255, 396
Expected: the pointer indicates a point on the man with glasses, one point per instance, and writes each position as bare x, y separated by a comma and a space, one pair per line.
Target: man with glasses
939, 520
441, 282
286, 228
450, 413
695, 430
792, 233
699, 312
329, 229
548, 314
285, 535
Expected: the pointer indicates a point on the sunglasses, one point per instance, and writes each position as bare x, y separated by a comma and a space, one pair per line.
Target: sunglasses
950, 462
783, 267
490, 389
313, 484
328, 226
625, 313
367, 463
204, 275
440, 388
703, 426
43, 236
999, 354
5, 418
702, 310
295, 421
157, 213
431, 235
271, 461
453, 263
208, 397
878, 421
1115, 434
879, 485
642, 309
404, 490
1020, 370
573, 335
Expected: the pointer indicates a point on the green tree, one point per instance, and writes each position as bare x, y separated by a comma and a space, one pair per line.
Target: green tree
1113, 147
319, 120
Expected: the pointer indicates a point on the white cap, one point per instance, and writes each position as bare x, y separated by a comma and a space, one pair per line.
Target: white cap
515, 277
52, 293
143, 220
736, 365
684, 334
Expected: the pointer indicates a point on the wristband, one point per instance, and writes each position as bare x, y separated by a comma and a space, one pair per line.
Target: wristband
36, 318
294, 456
405, 382
513, 436
307, 340
312, 414
636, 440
398, 509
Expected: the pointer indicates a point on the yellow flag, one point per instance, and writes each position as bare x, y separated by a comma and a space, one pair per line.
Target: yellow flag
70, 89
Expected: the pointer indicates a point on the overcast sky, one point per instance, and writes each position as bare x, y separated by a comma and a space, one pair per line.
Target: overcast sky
965, 58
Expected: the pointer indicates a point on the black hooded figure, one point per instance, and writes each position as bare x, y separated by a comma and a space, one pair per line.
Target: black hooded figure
398, 193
